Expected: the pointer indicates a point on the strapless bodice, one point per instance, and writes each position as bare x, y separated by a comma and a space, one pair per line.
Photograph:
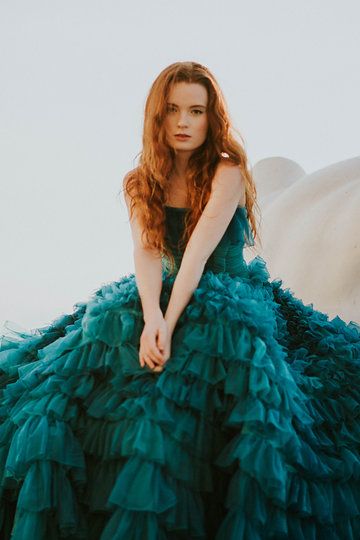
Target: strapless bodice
228, 254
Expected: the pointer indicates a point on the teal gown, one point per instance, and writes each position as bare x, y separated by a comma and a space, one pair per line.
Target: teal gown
251, 431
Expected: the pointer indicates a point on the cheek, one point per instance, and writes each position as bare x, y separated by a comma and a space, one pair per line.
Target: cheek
169, 121
203, 127
166, 123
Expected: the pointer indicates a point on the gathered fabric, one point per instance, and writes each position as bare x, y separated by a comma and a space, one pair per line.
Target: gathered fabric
250, 432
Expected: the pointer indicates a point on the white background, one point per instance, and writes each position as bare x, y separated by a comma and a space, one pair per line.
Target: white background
74, 80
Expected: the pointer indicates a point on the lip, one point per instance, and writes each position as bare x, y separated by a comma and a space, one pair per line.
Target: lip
182, 136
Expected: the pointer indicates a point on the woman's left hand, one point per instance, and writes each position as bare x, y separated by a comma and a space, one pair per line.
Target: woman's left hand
164, 345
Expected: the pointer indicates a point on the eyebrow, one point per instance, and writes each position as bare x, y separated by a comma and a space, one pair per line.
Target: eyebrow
203, 106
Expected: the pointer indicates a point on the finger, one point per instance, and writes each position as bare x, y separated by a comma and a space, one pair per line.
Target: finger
157, 362
150, 354
154, 351
148, 361
158, 368
156, 355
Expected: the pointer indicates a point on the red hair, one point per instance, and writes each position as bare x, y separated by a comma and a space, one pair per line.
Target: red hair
147, 184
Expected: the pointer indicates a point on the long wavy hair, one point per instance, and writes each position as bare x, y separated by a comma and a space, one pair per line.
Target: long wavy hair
147, 185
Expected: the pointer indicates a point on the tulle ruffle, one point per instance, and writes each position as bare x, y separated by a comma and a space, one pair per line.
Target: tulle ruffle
251, 432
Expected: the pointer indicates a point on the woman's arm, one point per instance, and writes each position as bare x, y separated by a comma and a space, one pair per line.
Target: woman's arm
148, 267
148, 276
227, 189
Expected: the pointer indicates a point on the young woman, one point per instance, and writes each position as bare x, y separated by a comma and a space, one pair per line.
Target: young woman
195, 398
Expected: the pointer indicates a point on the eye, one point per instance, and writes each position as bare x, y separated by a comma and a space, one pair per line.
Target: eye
198, 110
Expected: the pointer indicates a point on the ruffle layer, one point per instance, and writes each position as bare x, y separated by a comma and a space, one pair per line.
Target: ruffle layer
261, 396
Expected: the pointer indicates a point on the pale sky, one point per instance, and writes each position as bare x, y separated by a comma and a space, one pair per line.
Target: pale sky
74, 79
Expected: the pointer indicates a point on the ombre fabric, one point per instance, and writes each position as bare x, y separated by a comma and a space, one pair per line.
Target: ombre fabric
251, 432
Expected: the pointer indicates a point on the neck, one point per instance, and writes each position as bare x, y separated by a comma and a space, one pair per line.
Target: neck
181, 163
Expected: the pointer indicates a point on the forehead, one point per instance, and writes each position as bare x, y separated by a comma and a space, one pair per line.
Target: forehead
188, 94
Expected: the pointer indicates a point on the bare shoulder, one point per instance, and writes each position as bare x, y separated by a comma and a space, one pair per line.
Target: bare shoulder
128, 175
228, 181
136, 229
126, 178
225, 166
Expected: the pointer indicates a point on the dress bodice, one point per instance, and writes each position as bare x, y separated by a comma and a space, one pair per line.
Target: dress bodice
228, 254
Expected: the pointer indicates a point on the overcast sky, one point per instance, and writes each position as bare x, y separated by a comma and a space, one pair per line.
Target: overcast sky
74, 79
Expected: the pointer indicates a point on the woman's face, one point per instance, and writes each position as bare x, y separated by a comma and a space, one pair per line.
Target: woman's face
187, 113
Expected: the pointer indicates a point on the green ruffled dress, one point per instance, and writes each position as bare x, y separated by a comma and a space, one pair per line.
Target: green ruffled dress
251, 431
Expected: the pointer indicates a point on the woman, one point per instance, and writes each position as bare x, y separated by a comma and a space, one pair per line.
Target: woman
195, 398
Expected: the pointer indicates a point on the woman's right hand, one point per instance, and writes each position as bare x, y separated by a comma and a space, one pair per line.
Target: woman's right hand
152, 337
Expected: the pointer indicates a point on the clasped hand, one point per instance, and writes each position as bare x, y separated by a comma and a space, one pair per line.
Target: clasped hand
155, 343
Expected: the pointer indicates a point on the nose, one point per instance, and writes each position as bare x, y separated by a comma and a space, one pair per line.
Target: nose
182, 120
